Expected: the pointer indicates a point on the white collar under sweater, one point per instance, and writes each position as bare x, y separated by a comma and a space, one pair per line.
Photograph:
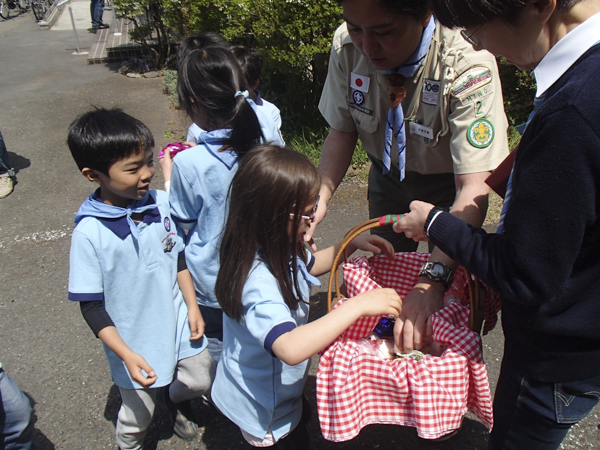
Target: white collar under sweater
566, 52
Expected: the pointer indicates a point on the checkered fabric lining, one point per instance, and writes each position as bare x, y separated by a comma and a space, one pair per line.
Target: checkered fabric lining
356, 388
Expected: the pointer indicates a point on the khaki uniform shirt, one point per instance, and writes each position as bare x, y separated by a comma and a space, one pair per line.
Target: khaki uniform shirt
453, 110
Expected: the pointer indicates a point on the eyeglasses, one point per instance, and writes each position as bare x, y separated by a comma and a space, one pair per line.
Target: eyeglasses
312, 216
471, 38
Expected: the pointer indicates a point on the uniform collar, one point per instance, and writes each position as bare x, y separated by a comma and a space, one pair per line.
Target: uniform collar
214, 141
116, 219
566, 52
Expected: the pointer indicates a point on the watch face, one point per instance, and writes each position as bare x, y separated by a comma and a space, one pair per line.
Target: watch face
437, 270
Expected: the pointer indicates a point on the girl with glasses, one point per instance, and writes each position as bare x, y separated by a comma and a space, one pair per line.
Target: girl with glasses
263, 287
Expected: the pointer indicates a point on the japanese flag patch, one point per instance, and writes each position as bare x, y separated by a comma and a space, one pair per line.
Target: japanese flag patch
359, 82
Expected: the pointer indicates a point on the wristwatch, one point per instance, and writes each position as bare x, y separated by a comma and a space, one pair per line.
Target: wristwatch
432, 215
437, 271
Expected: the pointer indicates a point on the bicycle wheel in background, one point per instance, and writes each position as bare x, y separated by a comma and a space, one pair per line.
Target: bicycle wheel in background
37, 6
4, 10
23, 5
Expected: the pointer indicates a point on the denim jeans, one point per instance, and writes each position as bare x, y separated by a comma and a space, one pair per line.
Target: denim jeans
530, 414
97, 9
5, 167
16, 425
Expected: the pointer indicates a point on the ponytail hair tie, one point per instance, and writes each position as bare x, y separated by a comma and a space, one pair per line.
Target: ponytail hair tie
244, 94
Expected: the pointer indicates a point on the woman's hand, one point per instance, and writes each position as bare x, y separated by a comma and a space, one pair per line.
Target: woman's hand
412, 224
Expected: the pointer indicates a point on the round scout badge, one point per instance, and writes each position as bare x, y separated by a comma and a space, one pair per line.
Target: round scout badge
480, 133
358, 98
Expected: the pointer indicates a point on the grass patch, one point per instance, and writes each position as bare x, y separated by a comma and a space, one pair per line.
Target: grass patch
170, 86
310, 143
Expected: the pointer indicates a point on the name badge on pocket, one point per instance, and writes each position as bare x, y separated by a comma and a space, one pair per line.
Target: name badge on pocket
421, 130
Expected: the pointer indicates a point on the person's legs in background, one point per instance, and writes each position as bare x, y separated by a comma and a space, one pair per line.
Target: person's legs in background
6, 172
96, 10
16, 424
538, 415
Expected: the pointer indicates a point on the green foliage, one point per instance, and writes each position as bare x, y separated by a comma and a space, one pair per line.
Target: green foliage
170, 86
310, 143
513, 138
518, 89
151, 27
294, 38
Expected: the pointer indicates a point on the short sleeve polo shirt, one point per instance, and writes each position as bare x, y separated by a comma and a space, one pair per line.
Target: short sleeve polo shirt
254, 388
137, 279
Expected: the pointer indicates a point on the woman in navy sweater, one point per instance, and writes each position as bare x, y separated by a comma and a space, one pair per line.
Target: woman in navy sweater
544, 258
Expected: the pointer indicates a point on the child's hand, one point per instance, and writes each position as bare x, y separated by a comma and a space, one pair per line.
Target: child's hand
379, 301
190, 143
166, 164
373, 243
135, 364
196, 323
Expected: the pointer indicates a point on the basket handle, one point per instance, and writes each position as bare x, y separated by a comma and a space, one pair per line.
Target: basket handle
476, 291
390, 219
478, 300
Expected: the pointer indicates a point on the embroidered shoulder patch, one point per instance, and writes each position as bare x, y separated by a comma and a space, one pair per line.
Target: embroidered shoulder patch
472, 79
480, 133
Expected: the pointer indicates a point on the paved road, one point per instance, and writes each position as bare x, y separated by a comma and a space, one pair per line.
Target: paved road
44, 343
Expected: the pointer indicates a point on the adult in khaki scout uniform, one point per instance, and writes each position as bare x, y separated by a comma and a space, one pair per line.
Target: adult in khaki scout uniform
454, 128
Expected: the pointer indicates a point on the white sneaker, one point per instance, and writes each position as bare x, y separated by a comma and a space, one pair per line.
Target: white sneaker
6, 185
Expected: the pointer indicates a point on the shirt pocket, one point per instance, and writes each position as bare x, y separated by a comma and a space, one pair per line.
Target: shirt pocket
364, 118
426, 128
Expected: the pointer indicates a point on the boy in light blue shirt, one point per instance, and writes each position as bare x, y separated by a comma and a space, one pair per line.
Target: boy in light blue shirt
127, 270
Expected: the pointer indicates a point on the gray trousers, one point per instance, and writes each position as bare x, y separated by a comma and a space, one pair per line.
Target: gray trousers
194, 377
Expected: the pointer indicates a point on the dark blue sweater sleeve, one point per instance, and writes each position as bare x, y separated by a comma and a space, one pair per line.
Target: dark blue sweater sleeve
554, 202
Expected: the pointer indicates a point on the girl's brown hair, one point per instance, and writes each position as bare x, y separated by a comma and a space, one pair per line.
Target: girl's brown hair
271, 183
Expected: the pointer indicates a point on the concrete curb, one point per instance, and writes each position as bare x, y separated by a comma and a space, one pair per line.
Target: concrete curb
52, 17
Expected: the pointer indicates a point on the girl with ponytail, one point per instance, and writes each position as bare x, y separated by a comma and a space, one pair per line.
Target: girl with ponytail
213, 92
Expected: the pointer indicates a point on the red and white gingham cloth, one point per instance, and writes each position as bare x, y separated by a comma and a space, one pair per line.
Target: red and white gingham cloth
356, 388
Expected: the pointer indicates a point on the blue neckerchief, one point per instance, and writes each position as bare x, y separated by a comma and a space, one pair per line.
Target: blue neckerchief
310, 279
118, 219
537, 104
395, 117
258, 101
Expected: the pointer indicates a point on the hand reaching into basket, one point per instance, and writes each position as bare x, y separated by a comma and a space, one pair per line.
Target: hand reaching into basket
371, 243
413, 326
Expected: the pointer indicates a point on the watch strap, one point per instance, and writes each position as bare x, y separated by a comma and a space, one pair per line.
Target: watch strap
446, 276
435, 211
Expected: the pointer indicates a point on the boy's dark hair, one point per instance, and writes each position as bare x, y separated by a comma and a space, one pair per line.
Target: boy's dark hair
99, 138
415, 8
271, 183
250, 62
208, 82
199, 41
473, 13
